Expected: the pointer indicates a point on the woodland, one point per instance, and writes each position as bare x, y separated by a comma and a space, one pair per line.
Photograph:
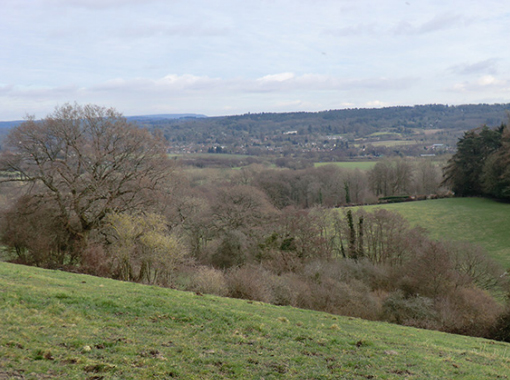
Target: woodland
85, 190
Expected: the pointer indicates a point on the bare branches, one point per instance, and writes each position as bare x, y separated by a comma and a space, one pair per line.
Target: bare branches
89, 160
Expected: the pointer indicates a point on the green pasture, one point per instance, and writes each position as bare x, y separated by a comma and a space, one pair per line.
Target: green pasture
384, 134
477, 220
57, 325
361, 165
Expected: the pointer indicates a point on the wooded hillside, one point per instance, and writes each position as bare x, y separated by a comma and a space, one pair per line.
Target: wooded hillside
330, 135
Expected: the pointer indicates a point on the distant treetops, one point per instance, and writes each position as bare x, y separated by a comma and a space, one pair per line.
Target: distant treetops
481, 165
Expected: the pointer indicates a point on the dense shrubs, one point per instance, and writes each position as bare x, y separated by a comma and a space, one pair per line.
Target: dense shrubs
501, 329
208, 280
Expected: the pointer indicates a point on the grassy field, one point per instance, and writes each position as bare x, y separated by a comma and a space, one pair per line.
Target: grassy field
476, 220
57, 325
392, 143
361, 165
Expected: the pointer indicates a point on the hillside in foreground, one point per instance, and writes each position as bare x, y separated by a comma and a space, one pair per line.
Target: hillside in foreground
61, 325
476, 220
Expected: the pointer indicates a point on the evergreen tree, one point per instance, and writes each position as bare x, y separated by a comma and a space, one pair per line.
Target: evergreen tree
465, 169
496, 171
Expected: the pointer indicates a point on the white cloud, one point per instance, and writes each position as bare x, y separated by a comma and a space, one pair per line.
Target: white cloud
282, 82
282, 77
377, 104
319, 82
486, 66
487, 80
436, 24
485, 83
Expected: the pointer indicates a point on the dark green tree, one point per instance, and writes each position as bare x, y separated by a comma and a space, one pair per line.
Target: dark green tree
496, 170
464, 170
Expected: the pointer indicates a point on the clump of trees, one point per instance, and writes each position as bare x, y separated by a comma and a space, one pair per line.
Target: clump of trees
481, 165
93, 193
74, 170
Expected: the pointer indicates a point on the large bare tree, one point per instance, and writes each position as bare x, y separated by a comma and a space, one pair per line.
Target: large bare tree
86, 161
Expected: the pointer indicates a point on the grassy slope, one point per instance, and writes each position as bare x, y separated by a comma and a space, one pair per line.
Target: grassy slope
48, 318
476, 220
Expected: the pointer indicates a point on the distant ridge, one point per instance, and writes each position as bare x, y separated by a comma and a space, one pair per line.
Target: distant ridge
166, 116
10, 124
140, 118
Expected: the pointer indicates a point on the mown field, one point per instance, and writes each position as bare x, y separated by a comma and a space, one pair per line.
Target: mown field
57, 325
477, 220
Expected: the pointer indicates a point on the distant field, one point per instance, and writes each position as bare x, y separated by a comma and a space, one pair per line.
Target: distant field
392, 143
476, 220
57, 325
376, 134
361, 165
210, 155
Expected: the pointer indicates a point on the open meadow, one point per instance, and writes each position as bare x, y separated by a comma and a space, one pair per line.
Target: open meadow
476, 220
57, 325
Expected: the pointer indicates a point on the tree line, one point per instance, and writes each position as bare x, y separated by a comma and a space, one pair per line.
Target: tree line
85, 190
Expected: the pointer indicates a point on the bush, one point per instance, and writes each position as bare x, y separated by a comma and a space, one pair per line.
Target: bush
230, 251
209, 281
350, 299
501, 328
468, 311
141, 248
411, 311
35, 233
95, 261
430, 273
335, 288
250, 283
289, 289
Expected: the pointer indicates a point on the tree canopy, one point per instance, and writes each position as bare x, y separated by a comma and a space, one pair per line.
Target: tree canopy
84, 162
481, 165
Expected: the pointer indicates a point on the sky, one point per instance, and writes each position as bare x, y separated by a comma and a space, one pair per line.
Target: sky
227, 57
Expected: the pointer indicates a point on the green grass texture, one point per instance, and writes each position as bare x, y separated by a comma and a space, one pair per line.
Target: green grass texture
57, 325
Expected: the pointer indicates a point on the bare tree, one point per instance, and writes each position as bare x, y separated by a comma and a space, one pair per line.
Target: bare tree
86, 161
391, 177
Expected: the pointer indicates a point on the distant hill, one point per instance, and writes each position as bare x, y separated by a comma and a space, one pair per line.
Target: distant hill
325, 136
358, 121
172, 116
10, 124
138, 119
333, 134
